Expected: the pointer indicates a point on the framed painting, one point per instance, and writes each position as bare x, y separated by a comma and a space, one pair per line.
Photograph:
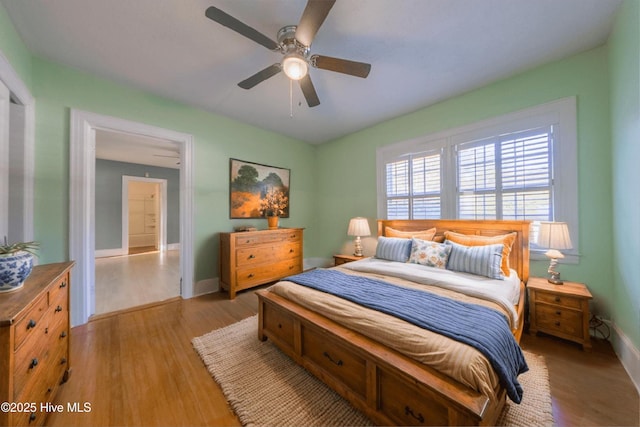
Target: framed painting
258, 191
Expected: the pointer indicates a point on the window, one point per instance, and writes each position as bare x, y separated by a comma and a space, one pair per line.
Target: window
503, 168
413, 187
506, 177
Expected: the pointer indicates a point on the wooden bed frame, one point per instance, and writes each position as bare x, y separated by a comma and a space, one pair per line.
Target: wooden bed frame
390, 388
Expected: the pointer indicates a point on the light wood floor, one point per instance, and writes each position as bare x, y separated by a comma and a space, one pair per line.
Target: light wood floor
138, 368
129, 281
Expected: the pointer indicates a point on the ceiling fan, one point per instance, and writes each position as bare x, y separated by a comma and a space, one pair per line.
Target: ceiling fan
294, 44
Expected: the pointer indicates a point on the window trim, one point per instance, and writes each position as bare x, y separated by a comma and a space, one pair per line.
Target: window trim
561, 113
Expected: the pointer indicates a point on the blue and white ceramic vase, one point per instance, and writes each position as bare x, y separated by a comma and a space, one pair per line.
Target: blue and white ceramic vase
14, 269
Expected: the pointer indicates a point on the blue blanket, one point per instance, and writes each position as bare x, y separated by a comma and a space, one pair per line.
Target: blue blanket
480, 327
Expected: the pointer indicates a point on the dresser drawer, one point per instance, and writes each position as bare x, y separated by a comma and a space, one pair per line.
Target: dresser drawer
335, 359
247, 277
267, 253
563, 300
31, 364
261, 238
30, 323
407, 403
560, 320
279, 324
29, 418
59, 290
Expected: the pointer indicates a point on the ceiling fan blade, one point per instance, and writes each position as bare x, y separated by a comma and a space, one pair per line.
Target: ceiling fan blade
312, 18
309, 91
229, 21
353, 68
260, 76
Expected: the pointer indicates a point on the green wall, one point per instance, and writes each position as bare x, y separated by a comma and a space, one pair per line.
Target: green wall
625, 120
108, 200
12, 47
57, 89
347, 166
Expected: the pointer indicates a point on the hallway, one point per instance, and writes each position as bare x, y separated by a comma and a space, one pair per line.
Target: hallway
127, 281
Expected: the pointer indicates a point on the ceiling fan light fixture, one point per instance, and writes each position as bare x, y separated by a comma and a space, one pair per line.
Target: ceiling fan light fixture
295, 66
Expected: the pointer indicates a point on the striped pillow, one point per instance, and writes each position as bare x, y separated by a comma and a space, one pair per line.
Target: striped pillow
479, 260
393, 249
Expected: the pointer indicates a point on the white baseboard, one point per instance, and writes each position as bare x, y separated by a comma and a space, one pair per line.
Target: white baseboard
206, 286
103, 253
173, 247
628, 354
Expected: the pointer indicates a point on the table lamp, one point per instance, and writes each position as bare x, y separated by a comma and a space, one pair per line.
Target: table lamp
554, 236
358, 226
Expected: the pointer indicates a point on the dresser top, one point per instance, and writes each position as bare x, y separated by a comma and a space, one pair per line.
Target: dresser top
13, 303
258, 232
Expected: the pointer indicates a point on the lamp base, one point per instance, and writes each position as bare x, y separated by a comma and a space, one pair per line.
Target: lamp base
358, 247
554, 278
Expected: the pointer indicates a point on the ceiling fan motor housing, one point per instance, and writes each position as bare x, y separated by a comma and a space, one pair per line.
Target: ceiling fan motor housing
288, 42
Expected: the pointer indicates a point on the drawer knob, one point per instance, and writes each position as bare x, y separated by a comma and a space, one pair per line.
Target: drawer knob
252, 256
291, 251
250, 275
58, 309
63, 284
32, 417
558, 312
339, 362
558, 299
34, 363
31, 324
557, 323
63, 334
63, 361
409, 411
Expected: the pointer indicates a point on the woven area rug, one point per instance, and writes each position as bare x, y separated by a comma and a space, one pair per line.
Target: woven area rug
266, 388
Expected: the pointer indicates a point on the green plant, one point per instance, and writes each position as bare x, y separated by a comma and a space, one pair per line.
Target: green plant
6, 248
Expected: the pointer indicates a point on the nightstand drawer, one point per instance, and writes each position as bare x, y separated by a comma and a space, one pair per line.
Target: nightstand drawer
563, 300
556, 319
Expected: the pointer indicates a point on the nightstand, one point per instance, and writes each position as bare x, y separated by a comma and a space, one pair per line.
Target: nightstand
343, 259
560, 310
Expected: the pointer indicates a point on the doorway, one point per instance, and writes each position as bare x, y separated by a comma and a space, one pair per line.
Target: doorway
84, 126
144, 214
143, 217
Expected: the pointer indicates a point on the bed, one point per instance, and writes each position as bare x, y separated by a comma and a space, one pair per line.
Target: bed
394, 372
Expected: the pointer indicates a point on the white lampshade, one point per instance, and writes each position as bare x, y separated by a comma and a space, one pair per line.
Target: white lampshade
554, 235
294, 66
359, 226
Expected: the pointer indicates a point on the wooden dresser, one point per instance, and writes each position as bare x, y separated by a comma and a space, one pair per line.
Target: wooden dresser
34, 344
252, 258
560, 310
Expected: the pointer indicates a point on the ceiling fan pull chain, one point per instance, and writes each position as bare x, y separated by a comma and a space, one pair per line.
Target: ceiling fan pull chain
290, 98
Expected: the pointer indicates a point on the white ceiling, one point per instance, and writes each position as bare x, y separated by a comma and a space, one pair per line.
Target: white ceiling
129, 148
421, 51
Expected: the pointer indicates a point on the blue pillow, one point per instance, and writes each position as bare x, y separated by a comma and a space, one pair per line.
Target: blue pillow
479, 260
393, 249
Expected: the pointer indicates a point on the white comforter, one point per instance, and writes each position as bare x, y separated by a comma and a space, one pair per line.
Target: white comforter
502, 292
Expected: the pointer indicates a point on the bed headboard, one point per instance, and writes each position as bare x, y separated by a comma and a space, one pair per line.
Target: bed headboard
519, 258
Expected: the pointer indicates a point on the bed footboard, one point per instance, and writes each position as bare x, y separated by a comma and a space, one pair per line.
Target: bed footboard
390, 388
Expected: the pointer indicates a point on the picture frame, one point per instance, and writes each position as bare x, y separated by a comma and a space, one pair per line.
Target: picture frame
249, 186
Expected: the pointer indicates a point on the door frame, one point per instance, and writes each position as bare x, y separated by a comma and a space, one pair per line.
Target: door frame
162, 225
25, 163
83, 126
